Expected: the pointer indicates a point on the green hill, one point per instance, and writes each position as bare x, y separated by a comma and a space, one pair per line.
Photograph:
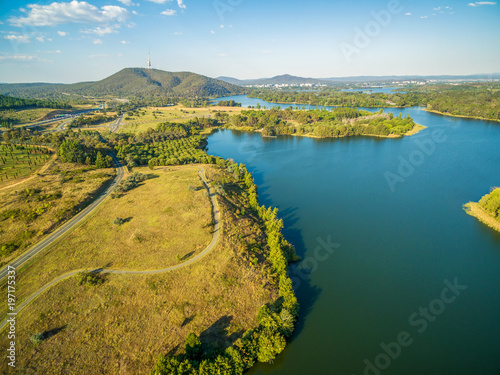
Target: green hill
131, 82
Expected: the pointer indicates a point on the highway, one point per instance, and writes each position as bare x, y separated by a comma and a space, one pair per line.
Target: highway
67, 227
116, 125
51, 121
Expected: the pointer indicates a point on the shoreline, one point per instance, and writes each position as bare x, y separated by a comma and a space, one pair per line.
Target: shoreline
416, 129
475, 210
458, 116
324, 105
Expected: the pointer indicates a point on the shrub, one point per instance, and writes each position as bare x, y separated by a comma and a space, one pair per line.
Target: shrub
118, 221
37, 338
89, 278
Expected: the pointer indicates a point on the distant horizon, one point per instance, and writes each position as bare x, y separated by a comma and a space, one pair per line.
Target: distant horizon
260, 78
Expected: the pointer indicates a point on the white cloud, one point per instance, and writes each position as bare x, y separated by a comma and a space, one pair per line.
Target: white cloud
62, 33
40, 39
17, 57
177, 33
159, 1
18, 38
128, 3
169, 12
423, 17
97, 41
56, 51
408, 14
101, 30
124, 42
221, 26
74, 11
479, 3
222, 54
181, 4
212, 32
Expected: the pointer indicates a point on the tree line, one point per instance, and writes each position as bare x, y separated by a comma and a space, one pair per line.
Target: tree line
477, 100
275, 321
9, 102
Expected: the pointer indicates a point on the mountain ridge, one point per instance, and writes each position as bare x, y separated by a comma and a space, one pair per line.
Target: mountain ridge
131, 82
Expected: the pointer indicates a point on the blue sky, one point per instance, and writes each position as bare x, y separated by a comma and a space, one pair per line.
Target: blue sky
73, 41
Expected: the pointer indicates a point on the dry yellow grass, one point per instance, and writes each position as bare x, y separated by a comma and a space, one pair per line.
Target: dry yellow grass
474, 209
158, 215
123, 325
177, 113
25, 219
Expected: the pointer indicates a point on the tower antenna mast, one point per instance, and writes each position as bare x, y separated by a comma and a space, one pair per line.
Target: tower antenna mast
149, 60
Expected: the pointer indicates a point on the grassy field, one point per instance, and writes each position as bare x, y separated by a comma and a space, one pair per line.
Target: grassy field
18, 162
24, 116
150, 117
38, 206
123, 324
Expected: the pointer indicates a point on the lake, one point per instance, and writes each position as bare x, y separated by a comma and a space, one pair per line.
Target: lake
396, 278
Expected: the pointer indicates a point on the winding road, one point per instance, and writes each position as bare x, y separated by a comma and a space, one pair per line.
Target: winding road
216, 230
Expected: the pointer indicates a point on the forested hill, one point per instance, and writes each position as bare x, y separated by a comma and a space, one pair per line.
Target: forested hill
131, 82
8, 102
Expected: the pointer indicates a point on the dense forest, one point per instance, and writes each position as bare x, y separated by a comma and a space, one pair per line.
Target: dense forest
9, 102
478, 100
342, 122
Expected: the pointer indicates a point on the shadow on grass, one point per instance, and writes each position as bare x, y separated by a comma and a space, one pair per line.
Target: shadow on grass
53, 332
216, 338
187, 256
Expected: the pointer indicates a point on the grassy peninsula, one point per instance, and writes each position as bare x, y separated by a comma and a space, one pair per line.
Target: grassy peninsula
487, 210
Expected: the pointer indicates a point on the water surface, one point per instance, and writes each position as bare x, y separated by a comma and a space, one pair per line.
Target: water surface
390, 246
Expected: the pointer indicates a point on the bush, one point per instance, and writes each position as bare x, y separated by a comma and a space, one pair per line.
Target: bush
118, 221
37, 338
89, 278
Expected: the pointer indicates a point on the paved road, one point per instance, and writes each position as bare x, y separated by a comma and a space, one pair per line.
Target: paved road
216, 217
46, 122
69, 225
116, 125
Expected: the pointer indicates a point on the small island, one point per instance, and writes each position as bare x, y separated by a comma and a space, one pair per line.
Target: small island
487, 210
338, 123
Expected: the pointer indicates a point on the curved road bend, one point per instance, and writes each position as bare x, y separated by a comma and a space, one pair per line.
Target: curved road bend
216, 217
68, 226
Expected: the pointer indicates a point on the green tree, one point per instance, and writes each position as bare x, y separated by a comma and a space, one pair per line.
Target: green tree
193, 347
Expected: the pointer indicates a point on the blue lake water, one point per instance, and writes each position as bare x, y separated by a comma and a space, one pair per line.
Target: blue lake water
380, 226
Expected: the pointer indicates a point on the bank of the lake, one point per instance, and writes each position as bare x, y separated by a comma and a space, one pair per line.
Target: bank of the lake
475, 210
459, 116
376, 252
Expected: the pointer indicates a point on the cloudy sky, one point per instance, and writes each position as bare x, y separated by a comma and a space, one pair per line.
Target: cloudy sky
73, 41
